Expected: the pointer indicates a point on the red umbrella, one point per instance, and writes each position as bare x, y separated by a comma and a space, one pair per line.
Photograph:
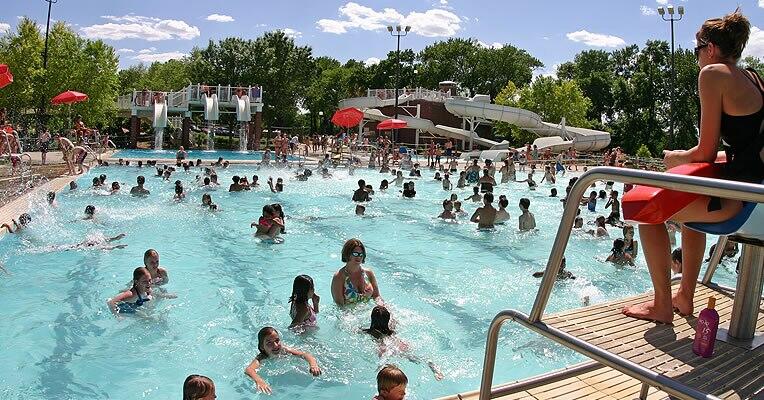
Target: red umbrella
392, 123
69, 97
5, 76
347, 117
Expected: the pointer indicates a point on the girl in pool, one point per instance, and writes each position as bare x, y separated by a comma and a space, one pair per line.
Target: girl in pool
198, 387
618, 256
269, 225
114, 188
630, 246
158, 274
269, 344
501, 214
384, 184
548, 176
129, 300
591, 202
302, 313
531, 183
462, 182
179, 195
353, 283
387, 341
89, 213
447, 213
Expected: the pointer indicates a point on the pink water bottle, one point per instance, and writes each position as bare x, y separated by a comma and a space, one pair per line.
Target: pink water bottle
705, 331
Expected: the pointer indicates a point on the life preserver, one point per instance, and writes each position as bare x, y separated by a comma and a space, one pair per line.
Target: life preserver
649, 205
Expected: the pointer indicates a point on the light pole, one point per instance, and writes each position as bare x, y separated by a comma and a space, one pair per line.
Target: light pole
321, 122
41, 116
670, 11
398, 33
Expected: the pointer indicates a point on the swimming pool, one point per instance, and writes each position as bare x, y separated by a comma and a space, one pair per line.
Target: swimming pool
443, 283
192, 154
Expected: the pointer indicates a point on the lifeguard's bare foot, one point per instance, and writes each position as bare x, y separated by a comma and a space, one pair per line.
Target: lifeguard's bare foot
682, 304
648, 311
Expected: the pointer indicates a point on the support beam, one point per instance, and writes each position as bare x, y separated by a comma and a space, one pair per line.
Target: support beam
135, 128
185, 132
258, 126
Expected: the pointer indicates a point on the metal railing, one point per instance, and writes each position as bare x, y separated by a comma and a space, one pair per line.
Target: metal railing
415, 93
691, 184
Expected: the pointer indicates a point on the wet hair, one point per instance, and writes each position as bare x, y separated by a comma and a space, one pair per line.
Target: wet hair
178, 189
676, 255
348, 248
51, 196
140, 163
148, 253
525, 203
115, 185
729, 33
269, 210
102, 178
96, 181
628, 228
25, 218
593, 193
90, 209
140, 179
614, 193
475, 189
197, 387
360, 209
255, 178
389, 377
579, 219
380, 322
206, 196
603, 194
488, 197
261, 335
277, 208
361, 183
553, 192
503, 202
300, 287
138, 273
235, 179
618, 245
206, 180
446, 202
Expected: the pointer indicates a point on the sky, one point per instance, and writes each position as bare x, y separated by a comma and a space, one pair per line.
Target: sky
552, 31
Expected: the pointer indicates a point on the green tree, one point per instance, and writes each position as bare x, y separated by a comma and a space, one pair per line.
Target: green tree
753, 62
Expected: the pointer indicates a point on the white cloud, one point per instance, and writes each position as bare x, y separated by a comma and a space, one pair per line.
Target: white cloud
595, 39
161, 57
755, 46
4, 27
649, 11
761, 3
220, 18
664, 2
292, 33
147, 51
444, 2
550, 71
371, 61
139, 27
431, 23
494, 45
125, 51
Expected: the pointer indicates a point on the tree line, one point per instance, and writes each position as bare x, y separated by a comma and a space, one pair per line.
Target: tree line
626, 91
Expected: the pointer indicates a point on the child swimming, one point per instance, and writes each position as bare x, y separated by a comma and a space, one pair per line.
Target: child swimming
302, 313
527, 220
391, 383
618, 256
198, 387
269, 344
388, 343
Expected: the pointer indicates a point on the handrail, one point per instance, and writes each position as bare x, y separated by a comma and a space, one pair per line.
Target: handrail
691, 184
668, 385
704, 186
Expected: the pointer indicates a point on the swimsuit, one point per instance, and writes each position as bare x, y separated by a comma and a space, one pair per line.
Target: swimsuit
350, 293
264, 222
591, 205
310, 321
129, 308
472, 176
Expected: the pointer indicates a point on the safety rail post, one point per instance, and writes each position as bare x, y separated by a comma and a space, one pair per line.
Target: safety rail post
716, 257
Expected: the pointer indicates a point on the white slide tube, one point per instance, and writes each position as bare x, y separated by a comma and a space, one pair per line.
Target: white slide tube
160, 122
211, 109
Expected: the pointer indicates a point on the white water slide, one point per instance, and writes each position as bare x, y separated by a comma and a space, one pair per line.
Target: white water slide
557, 137
211, 109
160, 122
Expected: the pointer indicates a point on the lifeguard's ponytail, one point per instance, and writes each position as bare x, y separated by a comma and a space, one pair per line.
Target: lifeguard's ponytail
729, 34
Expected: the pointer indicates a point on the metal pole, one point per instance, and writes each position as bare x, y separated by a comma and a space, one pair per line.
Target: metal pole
673, 89
47, 29
745, 309
397, 80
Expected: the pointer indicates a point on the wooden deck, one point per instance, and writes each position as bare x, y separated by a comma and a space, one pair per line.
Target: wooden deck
732, 373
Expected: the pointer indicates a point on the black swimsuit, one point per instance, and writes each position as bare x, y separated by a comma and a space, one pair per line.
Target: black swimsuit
743, 143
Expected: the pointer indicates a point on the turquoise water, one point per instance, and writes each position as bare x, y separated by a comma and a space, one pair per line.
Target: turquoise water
443, 283
192, 154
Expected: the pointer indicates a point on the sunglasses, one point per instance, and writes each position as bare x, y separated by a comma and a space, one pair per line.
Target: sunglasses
357, 254
698, 47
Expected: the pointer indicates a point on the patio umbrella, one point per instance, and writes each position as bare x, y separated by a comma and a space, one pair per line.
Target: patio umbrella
69, 97
392, 123
347, 117
5, 76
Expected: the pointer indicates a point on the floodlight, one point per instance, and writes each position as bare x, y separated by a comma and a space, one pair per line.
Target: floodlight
397, 28
389, 28
661, 11
408, 28
681, 10
670, 9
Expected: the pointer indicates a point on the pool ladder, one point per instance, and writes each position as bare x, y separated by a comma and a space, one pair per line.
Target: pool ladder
747, 296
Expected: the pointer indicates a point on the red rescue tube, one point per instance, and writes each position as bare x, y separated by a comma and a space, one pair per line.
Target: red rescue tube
649, 205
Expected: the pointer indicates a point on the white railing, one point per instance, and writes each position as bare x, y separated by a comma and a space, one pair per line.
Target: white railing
191, 93
414, 93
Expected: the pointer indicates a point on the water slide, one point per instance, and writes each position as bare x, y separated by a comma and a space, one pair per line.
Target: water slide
554, 136
427, 126
243, 108
160, 122
211, 109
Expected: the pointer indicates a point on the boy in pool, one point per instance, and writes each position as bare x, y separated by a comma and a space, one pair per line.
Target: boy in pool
486, 215
458, 209
527, 220
562, 273
361, 194
391, 383
139, 190
198, 387
600, 230
24, 220
476, 197
615, 210
447, 210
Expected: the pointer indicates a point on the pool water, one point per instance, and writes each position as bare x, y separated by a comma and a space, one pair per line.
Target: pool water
443, 283
193, 154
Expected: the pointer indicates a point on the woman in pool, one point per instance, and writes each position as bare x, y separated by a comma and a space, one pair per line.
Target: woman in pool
502, 215
302, 313
617, 254
732, 109
269, 344
353, 283
531, 183
388, 343
631, 247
